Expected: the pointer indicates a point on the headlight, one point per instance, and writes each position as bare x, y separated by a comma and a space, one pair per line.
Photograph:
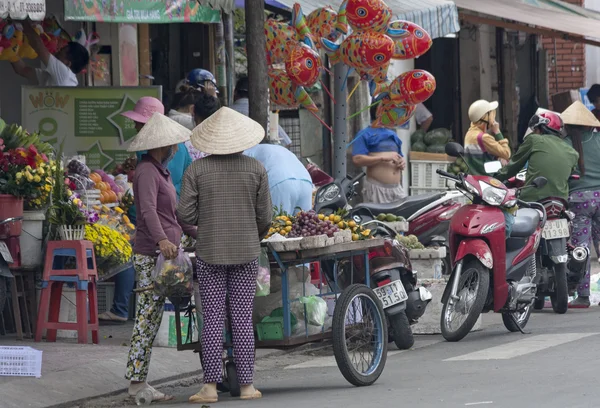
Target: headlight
492, 195
328, 193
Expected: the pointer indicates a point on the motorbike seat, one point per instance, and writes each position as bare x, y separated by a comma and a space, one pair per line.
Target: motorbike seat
403, 208
526, 222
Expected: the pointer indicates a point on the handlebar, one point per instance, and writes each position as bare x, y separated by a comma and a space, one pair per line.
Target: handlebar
357, 178
12, 219
446, 174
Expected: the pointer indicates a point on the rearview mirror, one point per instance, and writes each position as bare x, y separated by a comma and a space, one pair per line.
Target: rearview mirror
454, 150
492, 167
539, 182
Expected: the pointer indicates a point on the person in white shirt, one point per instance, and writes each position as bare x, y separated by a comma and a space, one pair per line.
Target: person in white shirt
423, 117
57, 70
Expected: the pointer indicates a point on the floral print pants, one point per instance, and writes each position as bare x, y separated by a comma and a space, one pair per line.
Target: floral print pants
216, 282
586, 227
147, 321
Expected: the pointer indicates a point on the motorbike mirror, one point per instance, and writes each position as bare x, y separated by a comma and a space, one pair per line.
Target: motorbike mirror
539, 182
492, 167
454, 149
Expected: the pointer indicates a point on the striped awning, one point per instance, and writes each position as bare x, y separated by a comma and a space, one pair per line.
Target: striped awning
21, 9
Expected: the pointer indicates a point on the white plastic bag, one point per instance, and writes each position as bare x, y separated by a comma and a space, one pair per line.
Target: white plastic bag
316, 310
263, 279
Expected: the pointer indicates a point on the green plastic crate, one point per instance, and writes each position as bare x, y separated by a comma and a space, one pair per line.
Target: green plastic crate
271, 328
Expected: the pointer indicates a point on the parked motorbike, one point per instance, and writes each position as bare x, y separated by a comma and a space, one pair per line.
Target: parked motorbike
428, 215
6, 258
554, 278
490, 270
391, 274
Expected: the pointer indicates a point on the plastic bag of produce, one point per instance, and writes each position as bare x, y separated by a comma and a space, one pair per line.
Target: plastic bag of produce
263, 279
316, 310
173, 277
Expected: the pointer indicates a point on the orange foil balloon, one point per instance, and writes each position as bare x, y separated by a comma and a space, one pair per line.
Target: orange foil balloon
302, 65
412, 87
372, 15
284, 93
326, 23
363, 51
392, 115
411, 40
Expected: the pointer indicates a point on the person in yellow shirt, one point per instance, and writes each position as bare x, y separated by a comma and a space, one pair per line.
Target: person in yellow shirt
483, 141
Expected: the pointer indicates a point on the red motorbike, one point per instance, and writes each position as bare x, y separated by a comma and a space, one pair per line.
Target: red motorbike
491, 272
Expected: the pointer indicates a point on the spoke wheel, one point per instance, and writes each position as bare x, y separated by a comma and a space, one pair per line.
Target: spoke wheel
460, 315
359, 335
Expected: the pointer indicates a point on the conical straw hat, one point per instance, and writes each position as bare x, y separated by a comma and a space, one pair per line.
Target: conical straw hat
159, 131
578, 114
227, 132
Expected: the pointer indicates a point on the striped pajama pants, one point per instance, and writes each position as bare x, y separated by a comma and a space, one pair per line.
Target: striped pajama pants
215, 283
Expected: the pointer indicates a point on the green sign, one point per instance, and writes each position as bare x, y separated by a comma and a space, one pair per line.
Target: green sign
89, 118
140, 11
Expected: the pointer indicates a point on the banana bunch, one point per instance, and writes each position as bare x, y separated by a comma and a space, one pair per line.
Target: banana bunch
15, 136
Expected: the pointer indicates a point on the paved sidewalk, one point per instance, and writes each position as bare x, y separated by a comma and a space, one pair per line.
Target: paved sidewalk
73, 372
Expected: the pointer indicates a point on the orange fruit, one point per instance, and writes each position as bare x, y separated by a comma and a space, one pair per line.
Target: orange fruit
95, 177
112, 196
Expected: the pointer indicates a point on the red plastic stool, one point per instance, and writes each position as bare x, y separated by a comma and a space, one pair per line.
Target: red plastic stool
69, 262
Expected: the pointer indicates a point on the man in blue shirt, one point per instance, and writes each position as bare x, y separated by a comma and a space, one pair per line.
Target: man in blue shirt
380, 151
289, 182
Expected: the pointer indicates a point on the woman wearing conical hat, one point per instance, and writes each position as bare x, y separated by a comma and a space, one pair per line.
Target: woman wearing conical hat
584, 194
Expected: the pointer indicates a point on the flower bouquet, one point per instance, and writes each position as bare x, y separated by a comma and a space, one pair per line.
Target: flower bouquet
173, 278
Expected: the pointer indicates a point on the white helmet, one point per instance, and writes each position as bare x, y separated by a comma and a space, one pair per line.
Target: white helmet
479, 108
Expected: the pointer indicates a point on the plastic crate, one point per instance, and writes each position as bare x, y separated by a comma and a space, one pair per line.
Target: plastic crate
271, 328
20, 362
106, 295
423, 174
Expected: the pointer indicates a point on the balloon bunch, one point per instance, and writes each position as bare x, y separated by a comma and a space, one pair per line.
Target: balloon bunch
294, 63
14, 44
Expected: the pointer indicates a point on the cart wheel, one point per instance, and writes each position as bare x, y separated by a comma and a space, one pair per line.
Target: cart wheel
359, 335
232, 379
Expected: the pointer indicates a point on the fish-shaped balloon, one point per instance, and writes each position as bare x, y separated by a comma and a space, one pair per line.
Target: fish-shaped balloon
325, 23
411, 40
372, 15
392, 115
283, 92
280, 34
363, 51
302, 64
412, 87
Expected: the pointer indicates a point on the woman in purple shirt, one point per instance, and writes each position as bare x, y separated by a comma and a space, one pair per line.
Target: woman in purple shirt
157, 230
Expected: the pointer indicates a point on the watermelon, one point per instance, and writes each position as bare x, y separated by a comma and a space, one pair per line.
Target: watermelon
437, 148
417, 137
436, 137
418, 147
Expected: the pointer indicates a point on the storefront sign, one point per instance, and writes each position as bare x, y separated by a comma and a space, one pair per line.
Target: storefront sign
144, 11
87, 118
21, 9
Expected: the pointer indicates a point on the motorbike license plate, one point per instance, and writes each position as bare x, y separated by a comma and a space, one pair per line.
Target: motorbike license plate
556, 229
391, 294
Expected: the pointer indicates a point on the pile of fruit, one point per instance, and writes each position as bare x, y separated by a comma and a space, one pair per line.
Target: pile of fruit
433, 141
390, 218
309, 224
108, 189
458, 167
410, 241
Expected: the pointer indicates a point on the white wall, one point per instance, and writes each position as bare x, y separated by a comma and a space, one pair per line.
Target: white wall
592, 53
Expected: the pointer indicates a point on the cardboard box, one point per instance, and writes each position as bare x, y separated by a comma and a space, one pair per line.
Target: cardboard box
563, 100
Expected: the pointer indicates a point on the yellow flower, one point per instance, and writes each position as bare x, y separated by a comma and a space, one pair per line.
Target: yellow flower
19, 175
37, 179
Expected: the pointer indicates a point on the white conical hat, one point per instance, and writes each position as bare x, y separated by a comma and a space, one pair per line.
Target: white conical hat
577, 114
227, 132
159, 131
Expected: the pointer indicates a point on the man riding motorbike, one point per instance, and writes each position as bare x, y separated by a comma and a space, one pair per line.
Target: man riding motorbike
548, 155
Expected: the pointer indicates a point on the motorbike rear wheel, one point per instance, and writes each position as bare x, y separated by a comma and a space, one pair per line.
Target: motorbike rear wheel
401, 331
473, 289
540, 302
560, 296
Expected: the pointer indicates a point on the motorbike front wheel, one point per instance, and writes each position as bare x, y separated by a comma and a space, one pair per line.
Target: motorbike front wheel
400, 331
560, 296
460, 315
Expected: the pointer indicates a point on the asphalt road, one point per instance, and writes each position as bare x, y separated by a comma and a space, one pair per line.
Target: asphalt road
555, 366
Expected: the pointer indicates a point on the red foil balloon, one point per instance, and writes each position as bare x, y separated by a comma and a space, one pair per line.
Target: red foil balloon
302, 65
284, 93
372, 15
411, 40
392, 115
363, 51
412, 87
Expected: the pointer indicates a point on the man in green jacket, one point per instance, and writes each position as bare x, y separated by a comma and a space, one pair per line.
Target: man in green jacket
548, 156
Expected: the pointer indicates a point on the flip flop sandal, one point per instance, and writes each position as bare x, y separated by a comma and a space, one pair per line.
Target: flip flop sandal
202, 399
256, 395
578, 306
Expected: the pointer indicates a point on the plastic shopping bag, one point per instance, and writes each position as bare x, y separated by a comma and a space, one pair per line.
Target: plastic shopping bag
316, 310
173, 277
263, 279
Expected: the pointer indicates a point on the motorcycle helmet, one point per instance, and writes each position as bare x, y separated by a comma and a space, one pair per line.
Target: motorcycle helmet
201, 78
548, 123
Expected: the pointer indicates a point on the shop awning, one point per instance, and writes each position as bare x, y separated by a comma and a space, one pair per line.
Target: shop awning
140, 11
551, 18
21, 9
437, 17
